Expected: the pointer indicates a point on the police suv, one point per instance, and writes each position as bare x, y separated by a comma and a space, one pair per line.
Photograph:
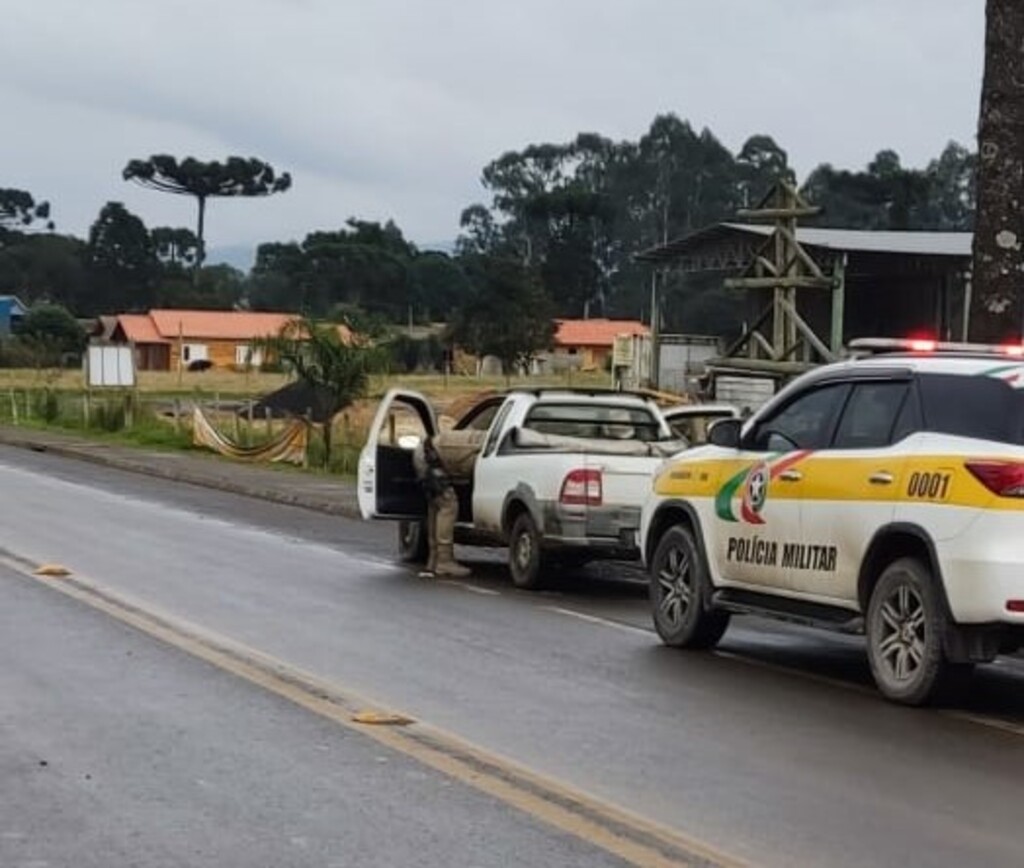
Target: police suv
882, 495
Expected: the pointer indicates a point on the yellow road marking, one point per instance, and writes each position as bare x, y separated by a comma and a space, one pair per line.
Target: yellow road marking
630, 837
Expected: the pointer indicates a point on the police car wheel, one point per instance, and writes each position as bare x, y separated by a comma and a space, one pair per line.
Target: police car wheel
679, 585
525, 562
413, 546
905, 627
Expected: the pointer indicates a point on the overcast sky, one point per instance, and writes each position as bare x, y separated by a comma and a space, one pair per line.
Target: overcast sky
390, 108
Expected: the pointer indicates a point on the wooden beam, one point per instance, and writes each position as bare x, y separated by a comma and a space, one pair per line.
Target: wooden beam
765, 366
802, 254
776, 213
741, 341
778, 283
807, 331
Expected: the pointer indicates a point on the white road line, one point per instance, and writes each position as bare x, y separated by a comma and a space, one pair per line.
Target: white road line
476, 589
595, 619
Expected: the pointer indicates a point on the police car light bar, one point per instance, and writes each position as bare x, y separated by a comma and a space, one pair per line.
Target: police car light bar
869, 346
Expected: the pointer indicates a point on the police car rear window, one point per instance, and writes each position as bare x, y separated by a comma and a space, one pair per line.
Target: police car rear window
971, 406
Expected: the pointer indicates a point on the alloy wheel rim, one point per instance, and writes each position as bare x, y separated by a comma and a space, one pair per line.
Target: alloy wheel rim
524, 551
902, 643
675, 583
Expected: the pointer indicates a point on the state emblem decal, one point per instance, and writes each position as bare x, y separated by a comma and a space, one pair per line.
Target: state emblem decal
751, 484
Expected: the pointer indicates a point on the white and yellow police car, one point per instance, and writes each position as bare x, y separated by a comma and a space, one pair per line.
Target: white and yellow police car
882, 495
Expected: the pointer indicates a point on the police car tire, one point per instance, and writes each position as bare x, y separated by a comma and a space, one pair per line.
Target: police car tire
931, 676
524, 538
413, 546
687, 621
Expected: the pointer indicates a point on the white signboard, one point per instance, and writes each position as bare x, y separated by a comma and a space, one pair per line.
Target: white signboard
110, 365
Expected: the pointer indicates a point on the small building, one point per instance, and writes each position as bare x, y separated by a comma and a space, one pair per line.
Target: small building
165, 340
587, 344
11, 313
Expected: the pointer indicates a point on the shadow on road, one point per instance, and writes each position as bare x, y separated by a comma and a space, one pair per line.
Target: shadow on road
618, 590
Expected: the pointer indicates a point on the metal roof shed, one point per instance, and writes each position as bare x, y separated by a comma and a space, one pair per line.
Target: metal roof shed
896, 283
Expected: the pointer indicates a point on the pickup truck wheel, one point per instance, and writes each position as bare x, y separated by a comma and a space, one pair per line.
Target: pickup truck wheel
525, 561
412, 542
679, 585
905, 627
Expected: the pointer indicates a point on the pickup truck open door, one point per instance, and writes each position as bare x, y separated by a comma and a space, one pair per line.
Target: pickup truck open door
387, 485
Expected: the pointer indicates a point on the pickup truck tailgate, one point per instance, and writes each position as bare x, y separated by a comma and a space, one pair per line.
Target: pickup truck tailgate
625, 484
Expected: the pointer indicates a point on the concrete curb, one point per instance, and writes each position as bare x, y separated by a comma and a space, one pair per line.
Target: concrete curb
325, 504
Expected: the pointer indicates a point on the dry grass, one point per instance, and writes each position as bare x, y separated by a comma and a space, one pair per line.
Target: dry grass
228, 383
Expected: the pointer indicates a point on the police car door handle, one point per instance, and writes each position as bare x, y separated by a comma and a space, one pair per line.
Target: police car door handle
791, 476
882, 477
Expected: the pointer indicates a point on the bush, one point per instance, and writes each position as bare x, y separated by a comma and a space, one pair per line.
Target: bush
46, 406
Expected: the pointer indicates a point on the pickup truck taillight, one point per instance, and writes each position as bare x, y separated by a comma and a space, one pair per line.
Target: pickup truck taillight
1005, 478
581, 487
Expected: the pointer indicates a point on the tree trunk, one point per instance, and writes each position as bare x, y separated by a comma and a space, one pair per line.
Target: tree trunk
201, 245
998, 276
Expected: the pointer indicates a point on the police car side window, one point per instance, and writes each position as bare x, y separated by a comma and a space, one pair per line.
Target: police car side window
870, 415
806, 422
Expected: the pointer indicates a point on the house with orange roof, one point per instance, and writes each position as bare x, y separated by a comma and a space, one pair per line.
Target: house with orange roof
587, 344
166, 340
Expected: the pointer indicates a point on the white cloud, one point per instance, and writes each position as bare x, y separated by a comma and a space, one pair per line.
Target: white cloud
390, 108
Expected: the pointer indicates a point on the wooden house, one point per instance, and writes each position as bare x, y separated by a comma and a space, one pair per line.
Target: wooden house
166, 340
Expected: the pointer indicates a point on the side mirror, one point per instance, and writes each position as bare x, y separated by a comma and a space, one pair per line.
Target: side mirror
725, 433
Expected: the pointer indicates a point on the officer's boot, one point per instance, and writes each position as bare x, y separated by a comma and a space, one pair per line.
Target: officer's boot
447, 566
447, 510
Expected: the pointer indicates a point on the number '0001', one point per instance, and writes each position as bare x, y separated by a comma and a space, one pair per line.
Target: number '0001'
932, 486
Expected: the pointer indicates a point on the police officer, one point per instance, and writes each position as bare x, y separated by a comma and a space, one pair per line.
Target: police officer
441, 461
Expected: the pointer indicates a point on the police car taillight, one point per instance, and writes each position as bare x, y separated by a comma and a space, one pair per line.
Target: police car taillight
1005, 478
581, 487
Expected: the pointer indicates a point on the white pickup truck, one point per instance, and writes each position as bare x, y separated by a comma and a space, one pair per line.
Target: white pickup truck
560, 479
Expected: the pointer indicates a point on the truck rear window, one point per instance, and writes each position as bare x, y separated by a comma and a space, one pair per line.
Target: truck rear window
594, 421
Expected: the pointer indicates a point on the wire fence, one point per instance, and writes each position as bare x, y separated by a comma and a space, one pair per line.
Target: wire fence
166, 422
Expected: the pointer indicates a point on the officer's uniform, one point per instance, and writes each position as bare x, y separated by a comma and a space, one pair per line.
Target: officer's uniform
446, 458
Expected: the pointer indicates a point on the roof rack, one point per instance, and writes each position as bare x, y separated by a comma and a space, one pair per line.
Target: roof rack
927, 346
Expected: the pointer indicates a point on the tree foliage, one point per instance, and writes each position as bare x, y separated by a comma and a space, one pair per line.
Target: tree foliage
121, 259
508, 316
335, 369
236, 176
50, 334
572, 216
18, 209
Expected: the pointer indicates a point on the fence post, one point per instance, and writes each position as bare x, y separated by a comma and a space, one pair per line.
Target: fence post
346, 426
238, 426
86, 410
14, 407
267, 418
249, 431
309, 440
177, 415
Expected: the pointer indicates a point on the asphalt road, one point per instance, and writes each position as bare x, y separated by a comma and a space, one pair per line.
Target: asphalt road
774, 749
